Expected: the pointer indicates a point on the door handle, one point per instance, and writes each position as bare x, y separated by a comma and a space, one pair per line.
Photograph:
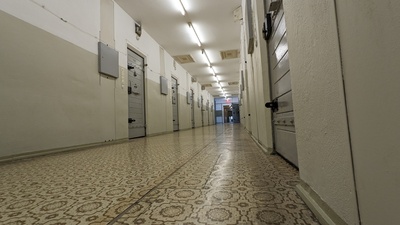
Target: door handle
130, 120
273, 105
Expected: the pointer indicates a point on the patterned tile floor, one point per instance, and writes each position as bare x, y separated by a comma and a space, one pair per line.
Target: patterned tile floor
210, 175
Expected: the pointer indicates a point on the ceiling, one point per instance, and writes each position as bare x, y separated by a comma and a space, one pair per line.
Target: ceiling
215, 25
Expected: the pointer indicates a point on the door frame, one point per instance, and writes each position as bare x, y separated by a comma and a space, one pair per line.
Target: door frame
271, 87
145, 105
201, 109
177, 102
192, 108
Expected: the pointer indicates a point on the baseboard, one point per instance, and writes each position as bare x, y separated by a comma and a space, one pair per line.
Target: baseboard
321, 210
186, 129
159, 133
58, 150
266, 150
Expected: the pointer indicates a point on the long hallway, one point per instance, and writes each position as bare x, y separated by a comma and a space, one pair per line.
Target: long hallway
209, 175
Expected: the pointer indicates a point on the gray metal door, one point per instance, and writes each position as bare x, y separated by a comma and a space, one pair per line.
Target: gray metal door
208, 112
136, 103
202, 111
281, 90
192, 105
175, 113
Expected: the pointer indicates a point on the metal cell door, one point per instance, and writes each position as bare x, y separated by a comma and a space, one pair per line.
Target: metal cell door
208, 112
136, 102
175, 113
192, 105
202, 112
281, 90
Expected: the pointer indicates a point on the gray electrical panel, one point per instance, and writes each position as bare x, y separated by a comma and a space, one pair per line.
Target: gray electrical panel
108, 61
163, 85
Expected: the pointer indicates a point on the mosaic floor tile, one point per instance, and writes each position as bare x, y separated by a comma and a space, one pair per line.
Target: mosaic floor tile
209, 175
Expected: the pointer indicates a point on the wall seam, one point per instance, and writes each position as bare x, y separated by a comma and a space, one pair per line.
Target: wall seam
347, 114
115, 109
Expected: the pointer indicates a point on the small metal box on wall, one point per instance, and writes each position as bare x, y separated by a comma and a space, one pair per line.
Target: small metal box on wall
108, 60
163, 85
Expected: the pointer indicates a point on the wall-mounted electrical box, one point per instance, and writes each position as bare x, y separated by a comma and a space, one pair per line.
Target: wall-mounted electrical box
163, 85
108, 60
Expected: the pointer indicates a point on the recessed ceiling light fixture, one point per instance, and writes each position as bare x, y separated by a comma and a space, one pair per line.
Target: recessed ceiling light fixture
197, 39
182, 8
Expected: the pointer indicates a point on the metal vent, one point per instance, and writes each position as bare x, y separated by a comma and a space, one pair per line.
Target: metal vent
230, 54
182, 59
233, 83
204, 86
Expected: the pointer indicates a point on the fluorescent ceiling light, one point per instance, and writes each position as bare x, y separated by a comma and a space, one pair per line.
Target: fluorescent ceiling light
203, 52
197, 39
213, 71
182, 8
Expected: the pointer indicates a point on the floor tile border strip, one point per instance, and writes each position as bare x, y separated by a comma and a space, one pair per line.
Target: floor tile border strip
266, 150
45, 152
156, 186
209, 175
53, 151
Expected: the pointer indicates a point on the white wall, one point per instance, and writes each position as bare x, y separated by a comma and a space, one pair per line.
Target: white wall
318, 98
50, 89
369, 37
51, 97
197, 110
245, 103
83, 19
345, 95
256, 82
